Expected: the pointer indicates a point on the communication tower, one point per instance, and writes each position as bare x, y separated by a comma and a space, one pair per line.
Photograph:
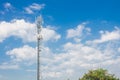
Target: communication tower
39, 22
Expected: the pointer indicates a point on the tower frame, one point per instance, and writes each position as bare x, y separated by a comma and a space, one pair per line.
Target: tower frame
39, 39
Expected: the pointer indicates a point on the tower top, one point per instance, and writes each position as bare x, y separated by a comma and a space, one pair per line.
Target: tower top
39, 21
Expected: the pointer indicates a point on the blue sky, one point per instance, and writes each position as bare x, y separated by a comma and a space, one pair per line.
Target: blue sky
78, 35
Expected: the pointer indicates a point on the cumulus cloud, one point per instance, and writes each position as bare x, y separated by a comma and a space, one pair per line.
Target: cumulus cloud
74, 59
85, 53
28, 54
25, 31
18, 28
34, 7
82, 57
25, 53
78, 32
108, 36
50, 34
78, 57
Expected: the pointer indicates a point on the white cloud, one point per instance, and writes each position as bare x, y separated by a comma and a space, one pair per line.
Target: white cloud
108, 36
73, 60
76, 59
83, 52
25, 30
25, 53
28, 10
34, 7
50, 34
17, 28
78, 32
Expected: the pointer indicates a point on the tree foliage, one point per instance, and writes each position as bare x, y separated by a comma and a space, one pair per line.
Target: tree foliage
98, 74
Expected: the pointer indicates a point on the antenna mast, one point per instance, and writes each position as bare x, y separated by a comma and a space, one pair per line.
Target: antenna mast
39, 39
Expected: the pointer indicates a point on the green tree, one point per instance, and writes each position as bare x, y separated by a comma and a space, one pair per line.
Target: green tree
98, 74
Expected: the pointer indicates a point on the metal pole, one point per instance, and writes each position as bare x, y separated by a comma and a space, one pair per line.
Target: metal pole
39, 38
38, 60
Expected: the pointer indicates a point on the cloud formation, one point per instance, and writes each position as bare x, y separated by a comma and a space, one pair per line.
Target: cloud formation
34, 7
25, 31
73, 59
79, 32
108, 36
25, 53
